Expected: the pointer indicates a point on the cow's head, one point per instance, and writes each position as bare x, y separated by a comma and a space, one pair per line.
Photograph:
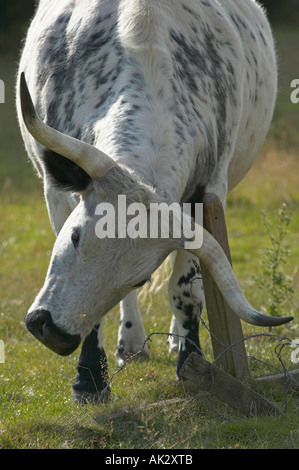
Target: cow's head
89, 275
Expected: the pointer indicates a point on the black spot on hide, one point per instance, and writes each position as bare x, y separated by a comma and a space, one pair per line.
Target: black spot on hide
186, 279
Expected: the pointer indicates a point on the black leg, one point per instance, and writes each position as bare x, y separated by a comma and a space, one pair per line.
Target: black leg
92, 372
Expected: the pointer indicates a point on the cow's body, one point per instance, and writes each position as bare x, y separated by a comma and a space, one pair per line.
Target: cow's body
180, 93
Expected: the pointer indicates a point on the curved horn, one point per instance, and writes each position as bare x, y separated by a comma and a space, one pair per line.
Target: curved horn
94, 162
213, 257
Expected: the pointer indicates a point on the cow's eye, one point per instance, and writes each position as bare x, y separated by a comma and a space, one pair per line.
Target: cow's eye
75, 238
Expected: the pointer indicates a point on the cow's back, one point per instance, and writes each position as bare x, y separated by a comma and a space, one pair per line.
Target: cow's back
184, 86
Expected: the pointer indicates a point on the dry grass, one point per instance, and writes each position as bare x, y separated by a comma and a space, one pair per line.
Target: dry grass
273, 178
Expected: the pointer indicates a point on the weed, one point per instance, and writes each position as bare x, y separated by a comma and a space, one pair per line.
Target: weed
277, 284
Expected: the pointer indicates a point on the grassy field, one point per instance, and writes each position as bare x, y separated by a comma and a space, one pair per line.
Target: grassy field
36, 410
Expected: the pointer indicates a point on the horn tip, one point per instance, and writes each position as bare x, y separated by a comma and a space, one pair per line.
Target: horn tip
263, 320
287, 319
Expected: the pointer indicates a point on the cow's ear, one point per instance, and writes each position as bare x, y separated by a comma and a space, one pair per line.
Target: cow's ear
65, 174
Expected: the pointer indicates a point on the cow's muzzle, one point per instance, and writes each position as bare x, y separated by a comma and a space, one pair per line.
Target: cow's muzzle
41, 325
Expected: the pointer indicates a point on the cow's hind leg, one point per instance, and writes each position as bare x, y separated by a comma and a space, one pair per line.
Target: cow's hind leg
186, 296
173, 339
131, 332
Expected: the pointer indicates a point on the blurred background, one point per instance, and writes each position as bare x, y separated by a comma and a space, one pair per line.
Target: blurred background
14, 20
31, 374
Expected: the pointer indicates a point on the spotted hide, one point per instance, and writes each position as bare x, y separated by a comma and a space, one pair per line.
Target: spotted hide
158, 100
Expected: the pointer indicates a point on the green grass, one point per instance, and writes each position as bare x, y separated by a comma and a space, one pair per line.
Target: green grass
36, 410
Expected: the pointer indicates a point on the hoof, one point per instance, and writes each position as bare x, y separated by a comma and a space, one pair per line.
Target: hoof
82, 397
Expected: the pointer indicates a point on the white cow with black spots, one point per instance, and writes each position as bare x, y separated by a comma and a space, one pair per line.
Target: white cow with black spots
157, 100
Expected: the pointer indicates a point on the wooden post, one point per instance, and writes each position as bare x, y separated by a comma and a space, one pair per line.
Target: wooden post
212, 379
224, 325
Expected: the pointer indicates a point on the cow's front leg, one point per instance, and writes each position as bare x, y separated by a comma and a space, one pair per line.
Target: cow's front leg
91, 383
131, 332
186, 298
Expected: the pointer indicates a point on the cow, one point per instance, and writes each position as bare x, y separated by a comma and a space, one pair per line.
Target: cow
156, 100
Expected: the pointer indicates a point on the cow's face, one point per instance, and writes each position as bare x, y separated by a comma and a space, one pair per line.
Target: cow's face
87, 276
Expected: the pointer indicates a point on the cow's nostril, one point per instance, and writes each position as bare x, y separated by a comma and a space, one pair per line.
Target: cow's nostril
41, 325
34, 322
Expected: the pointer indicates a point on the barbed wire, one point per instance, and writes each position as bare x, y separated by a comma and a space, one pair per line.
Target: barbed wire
283, 342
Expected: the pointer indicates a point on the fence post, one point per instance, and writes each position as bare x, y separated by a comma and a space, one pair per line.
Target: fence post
225, 326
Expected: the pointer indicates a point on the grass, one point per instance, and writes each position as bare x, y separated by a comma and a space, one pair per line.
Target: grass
36, 410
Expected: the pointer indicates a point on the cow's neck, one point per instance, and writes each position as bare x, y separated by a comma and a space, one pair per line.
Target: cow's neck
139, 128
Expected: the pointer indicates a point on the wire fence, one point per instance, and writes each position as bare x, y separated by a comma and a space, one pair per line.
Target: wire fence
281, 343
